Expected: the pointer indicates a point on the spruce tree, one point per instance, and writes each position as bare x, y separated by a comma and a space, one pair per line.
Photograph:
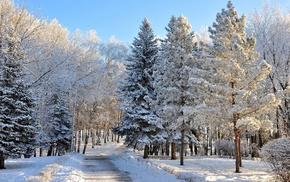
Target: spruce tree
239, 76
18, 128
139, 123
59, 125
172, 74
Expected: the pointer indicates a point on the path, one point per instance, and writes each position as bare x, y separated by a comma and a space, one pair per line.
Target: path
95, 166
109, 162
100, 168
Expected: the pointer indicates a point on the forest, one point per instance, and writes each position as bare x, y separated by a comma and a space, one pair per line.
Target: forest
224, 91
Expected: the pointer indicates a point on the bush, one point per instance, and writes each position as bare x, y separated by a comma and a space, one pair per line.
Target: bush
277, 154
225, 147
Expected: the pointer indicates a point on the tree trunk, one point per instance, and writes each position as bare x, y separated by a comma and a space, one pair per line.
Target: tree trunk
195, 149
191, 148
240, 153
79, 140
93, 138
260, 139
237, 149
162, 150
105, 138
2, 160
86, 143
135, 146
236, 130
151, 149
49, 152
146, 152
173, 151
277, 134
182, 145
155, 149
40, 152
167, 148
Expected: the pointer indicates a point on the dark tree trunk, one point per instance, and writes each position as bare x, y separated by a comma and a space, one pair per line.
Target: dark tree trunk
135, 146
151, 149
182, 146
105, 138
173, 151
277, 134
34, 152
240, 153
155, 149
79, 141
146, 152
86, 143
260, 139
2, 160
118, 140
191, 148
167, 148
93, 135
195, 149
40, 152
49, 152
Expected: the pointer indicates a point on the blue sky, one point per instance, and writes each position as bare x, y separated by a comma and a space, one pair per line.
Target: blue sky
122, 18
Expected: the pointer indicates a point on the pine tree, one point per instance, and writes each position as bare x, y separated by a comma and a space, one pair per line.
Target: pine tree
239, 76
139, 123
18, 128
172, 76
59, 125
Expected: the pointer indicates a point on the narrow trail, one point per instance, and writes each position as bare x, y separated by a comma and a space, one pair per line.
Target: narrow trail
100, 168
95, 166
109, 162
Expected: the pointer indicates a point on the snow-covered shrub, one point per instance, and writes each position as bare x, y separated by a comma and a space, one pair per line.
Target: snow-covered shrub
225, 147
277, 154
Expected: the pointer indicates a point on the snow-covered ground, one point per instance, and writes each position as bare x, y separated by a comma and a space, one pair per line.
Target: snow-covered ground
128, 166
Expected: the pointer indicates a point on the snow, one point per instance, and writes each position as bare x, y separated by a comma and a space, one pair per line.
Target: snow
129, 166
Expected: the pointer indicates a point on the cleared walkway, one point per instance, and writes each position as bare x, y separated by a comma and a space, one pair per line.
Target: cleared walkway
100, 168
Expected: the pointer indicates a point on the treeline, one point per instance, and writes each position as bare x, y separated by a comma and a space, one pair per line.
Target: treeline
226, 94
54, 84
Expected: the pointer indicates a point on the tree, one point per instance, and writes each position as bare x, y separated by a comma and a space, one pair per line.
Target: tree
240, 76
17, 125
172, 74
58, 125
139, 123
270, 28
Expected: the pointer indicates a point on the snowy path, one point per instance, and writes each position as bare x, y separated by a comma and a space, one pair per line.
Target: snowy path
109, 163
100, 168
95, 166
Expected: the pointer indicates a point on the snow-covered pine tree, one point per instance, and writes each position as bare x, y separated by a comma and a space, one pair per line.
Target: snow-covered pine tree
18, 128
139, 123
239, 77
58, 125
172, 73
